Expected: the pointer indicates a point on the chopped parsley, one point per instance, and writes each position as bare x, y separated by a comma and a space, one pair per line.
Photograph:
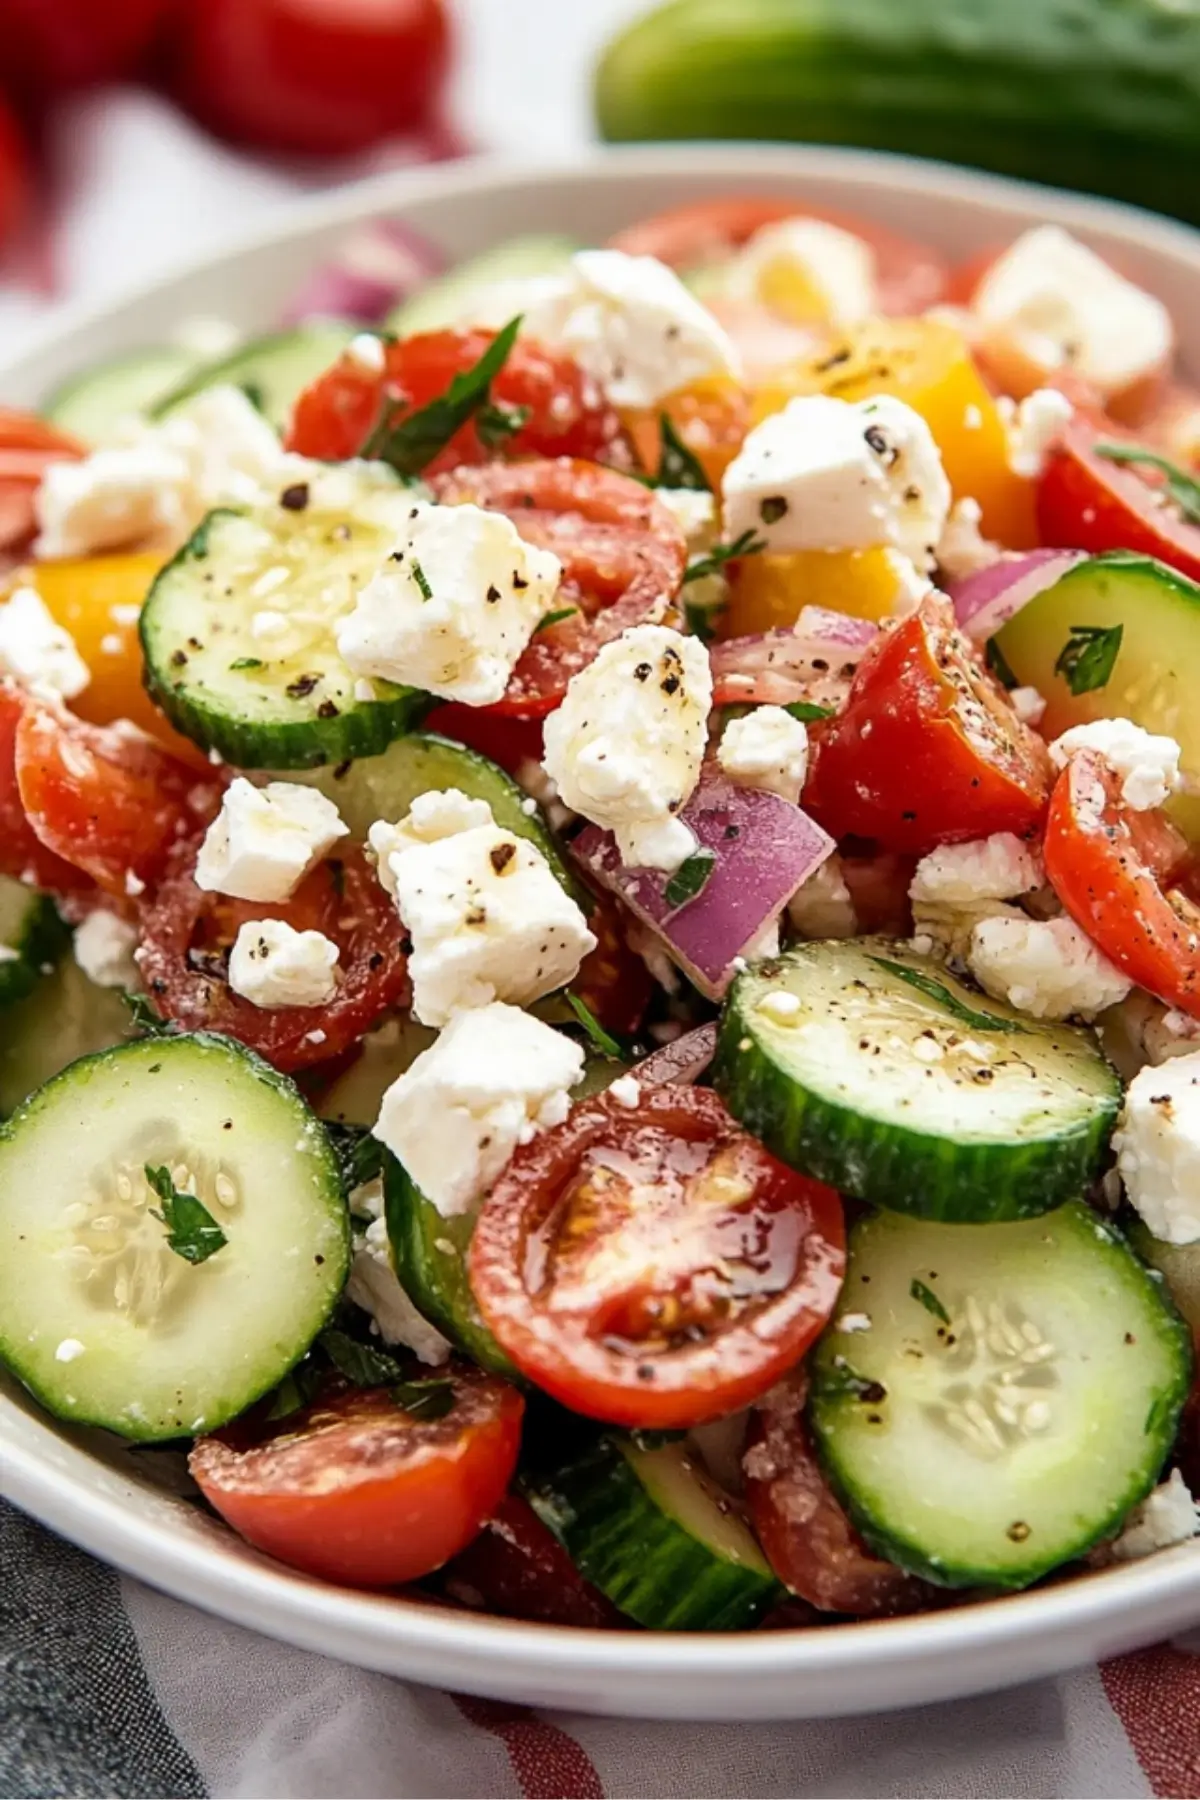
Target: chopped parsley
422, 580
496, 423
807, 710
999, 665
1087, 659
555, 618
601, 1039
938, 991
192, 1232
690, 878
409, 441
928, 1300
714, 560
1183, 489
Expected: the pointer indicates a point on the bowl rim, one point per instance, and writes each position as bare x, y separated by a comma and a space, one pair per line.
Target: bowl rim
1004, 1639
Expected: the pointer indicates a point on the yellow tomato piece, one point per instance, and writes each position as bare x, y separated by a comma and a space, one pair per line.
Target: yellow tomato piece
98, 600
711, 418
768, 591
927, 364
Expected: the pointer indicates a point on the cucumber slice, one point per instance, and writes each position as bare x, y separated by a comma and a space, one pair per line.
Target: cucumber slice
1015, 1393
448, 300
1157, 670
31, 937
65, 1017
92, 403
896, 1083
287, 703
99, 1318
1179, 1266
271, 371
651, 1530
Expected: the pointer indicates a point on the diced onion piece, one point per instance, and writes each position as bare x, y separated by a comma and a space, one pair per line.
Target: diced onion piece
378, 266
985, 601
681, 1063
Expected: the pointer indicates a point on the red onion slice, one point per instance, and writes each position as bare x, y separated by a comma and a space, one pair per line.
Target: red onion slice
815, 662
764, 848
682, 1062
987, 600
378, 266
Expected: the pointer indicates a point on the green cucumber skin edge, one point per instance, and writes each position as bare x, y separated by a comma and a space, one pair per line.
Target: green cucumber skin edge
1095, 97
42, 941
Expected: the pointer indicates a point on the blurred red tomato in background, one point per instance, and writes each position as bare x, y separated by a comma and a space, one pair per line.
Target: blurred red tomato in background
16, 182
46, 45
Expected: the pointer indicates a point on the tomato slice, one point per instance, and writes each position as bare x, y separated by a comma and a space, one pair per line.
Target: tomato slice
1100, 865
805, 1534
357, 1490
568, 415
622, 553
109, 801
655, 1266
1087, 502
187, 934
28, 445
928, 750
507, 741
613, 981
23, 855
518, 1568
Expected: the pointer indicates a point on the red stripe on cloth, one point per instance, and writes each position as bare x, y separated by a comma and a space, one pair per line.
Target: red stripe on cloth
548, 1763
1156, 1695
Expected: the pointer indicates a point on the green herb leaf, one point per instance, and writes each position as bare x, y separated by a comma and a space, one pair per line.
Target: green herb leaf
496, 423
410, 442
246, 662
936, 990
713, 562
143, 1018
1183, 489
422, 580
365, 1366
690, 878
603, 1041
677, 466
1087, 659
701, 620
929, 1300
297, 1390
807, 710
192, 1232
998, 663
425, 1399
555, 618
255, 394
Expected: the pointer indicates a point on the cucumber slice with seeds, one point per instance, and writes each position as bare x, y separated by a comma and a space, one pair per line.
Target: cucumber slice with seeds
895, 1082
271, 371
287, 700
31, 937
99, 1317
1015, 1392
126, 386
66, 1016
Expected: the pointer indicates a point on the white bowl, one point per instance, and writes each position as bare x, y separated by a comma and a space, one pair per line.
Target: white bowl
111, 1502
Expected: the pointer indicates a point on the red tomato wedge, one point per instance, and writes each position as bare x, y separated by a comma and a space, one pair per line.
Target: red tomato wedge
28, 445
613, 982
111, 802
357, 1490
928, 749
911, 276
655, 1266
568, 416
22, 852
1086, 501
623, 558
518, 1568
187, 934
1101, 865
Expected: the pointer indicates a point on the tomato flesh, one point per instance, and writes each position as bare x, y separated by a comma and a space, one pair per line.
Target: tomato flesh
357, 1490
1087, 502
28, 445
22, 852
518, 1568
657, 1266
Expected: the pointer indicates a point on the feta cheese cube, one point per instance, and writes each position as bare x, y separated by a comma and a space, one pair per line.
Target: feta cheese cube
375, 1286
806, 270
626, 745
1028, 704
451, 610
822, 906
1064, 307
103, 946
1148, 765
35, 649
962, 548
1158, 1148
271, 964
494, 1078
1001, 867
1033, 428
367, 350
766, 749
827, 475
1046, 967
264, 841
438, 814
694, 511
1167, 1516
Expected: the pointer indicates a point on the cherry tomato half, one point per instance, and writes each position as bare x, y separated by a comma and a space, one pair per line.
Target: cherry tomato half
27, 448
805, 1534
655, 1266
1088, 502
1101, 866
623, 557
187, 934
46, 45
22, 852
928, 749
357, 1490
516, 1567
568, 416
613, 982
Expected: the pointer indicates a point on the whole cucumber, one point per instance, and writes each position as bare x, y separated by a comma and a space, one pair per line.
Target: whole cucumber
1098, 95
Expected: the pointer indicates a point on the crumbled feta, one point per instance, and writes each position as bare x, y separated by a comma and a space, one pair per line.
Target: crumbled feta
1001, 867
69, 1349
375, 1286
439, 813
487, 918
626, 1091
495, 1076
103, 946
853, 1321
1158, 1148
264, 841
1142, 1030
1148, 765
1167, 1516
1063, 307
454, 605
35, 649
367, 350
962, 549
1033, 428
822, 906
273, 965
695, 513
766, 749
1046, 967
806, 269
781, 1006
632, 325
825, 474
626, 745
1028, 704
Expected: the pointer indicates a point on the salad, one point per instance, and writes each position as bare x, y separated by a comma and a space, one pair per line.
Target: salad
600, 964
